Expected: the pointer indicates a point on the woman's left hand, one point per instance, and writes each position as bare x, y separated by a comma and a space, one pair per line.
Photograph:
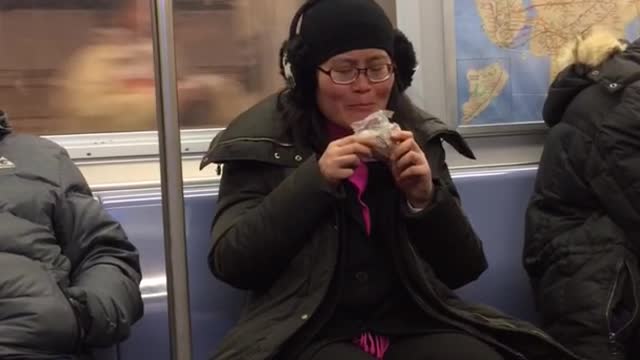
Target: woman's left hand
411, 170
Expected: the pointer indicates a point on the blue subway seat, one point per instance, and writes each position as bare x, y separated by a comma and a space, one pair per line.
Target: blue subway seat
496, 203
141, 217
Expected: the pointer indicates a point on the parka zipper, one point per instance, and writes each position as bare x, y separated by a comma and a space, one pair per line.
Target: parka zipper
607, 310
622, 265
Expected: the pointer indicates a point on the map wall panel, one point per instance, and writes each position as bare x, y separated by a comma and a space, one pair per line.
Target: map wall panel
507, 51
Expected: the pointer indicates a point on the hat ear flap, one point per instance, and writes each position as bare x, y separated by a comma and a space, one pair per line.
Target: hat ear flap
405, 60
293, 47
295, 68
291, 53
286, 68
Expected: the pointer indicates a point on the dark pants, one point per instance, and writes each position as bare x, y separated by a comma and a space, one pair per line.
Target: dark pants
440, 346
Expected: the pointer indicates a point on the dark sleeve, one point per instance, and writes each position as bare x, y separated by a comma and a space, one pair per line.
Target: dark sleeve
614, 167
441, 233
263, 221
105, 274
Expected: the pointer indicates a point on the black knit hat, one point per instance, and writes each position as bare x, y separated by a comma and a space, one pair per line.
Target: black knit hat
331, 27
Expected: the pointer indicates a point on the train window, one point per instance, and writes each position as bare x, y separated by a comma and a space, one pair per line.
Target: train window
227, 56
73, 66
82, 67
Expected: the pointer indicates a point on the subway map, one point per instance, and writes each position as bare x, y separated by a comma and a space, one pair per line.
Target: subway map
507, 51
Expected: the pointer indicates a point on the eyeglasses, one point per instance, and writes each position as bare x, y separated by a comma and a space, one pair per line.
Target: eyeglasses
348, 75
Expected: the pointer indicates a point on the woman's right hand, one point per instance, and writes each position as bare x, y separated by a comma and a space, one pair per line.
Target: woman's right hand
341, 158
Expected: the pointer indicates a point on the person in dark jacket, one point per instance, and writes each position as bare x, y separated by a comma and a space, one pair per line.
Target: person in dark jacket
69, 278
583, 220
347, 259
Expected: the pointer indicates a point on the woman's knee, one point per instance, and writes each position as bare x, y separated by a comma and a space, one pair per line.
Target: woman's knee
334, 351
446, 346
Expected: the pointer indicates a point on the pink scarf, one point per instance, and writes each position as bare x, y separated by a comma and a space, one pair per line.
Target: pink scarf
375, 345
360, 177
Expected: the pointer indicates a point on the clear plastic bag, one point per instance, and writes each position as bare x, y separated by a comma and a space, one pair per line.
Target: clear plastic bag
377, 128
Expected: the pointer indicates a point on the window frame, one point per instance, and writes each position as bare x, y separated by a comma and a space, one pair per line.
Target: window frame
127, 145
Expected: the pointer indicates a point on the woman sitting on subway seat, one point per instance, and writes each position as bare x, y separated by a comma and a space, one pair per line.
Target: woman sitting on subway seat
344, 257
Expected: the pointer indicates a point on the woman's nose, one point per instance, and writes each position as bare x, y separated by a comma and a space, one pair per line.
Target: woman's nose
362, 83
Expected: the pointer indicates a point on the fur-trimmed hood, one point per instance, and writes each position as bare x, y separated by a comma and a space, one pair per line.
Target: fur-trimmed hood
596, 58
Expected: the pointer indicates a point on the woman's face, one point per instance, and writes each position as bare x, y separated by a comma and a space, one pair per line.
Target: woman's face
346, 104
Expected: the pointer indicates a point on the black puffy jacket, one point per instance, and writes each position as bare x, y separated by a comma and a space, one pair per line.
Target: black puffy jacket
69, 278
278, 229
583, 221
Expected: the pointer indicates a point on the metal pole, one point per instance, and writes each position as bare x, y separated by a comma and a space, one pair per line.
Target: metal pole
171, 175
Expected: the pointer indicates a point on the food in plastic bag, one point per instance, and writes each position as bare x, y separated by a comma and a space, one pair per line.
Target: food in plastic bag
377, 128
